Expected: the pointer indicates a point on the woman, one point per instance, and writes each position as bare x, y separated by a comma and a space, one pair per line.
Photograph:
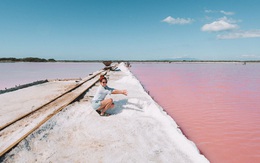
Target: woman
99, 103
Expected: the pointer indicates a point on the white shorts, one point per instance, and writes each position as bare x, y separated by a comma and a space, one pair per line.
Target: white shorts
96, 104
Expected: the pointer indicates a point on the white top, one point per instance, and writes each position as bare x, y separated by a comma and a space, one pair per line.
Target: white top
102, 92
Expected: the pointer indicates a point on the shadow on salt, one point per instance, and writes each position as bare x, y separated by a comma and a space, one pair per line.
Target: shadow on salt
127, 104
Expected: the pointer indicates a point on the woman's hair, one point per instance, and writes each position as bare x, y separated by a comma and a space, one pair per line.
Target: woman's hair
102, 77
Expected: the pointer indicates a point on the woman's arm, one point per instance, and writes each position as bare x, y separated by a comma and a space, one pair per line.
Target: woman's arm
124, 92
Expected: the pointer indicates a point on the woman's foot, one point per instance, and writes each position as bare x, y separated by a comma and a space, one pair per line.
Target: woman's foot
104, 114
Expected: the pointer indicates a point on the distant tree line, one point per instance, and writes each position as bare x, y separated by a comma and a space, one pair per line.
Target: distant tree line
34, 59
28, 59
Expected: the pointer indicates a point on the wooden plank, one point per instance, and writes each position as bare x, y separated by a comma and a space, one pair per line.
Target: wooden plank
74, 87
60, 103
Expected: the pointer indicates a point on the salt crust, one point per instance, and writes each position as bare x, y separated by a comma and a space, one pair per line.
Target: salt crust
139, 131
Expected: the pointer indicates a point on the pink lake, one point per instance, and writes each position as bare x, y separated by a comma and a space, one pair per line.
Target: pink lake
19, 73
217, 105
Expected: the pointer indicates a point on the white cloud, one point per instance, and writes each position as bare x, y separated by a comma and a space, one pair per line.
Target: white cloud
221, 11
209, 11
240, 34
223, 24
171, 20
250, 56
227, 12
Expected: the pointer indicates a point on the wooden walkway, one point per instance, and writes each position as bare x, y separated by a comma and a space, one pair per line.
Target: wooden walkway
15, 130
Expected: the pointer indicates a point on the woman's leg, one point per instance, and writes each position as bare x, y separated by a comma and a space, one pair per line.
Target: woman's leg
105, 105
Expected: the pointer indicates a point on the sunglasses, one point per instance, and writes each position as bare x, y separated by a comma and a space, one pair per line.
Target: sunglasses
104, 82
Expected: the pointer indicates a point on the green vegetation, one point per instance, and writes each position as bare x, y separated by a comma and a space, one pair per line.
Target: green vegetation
28, 59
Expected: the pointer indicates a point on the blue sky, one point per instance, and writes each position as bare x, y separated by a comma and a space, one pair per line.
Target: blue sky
130, 29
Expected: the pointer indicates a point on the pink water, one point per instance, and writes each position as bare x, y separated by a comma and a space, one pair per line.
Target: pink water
19, 73
216, 105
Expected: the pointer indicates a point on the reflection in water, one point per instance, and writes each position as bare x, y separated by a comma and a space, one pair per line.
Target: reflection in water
216, 105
